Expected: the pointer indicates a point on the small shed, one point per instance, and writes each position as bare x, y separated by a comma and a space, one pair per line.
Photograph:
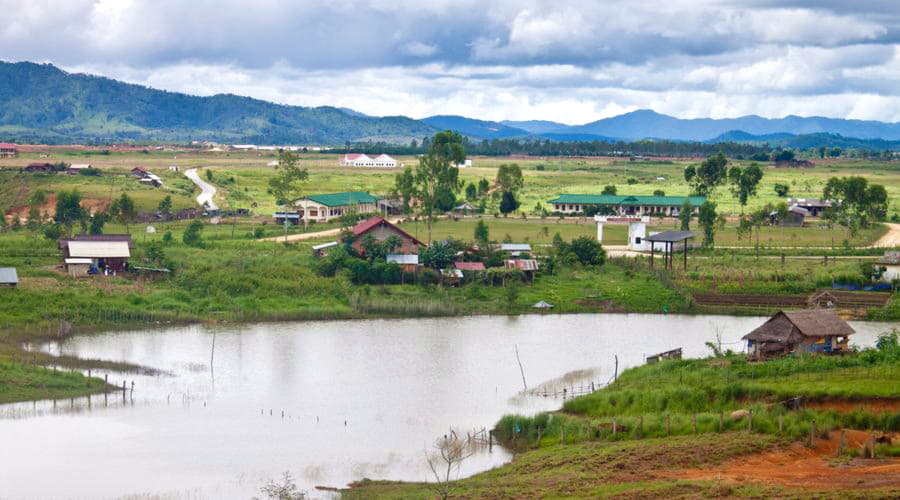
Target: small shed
77, 168
669, 239
542, 305
408, 262
39, 167
78, 267
322, 250
809, 331
465, 208
891, 264
8, 277
656, 358
794, 218
104, 255
469, 266
515, 249
139, 172
292, 218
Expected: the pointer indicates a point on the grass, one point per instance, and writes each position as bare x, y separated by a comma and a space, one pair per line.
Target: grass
25, 382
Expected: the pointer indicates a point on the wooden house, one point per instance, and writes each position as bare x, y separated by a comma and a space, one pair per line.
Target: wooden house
324, 207
409, 263
381, 229
86, 254
39, 167
807, 331
8, 150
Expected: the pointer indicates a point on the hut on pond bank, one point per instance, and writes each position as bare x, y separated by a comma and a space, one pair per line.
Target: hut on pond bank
808, 331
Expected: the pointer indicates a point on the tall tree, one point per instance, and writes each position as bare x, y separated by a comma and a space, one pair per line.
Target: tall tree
708, 220
685, 214
706, 177
482, 233
854, 201
744, 182
68, 209
122, 209
287, 183
165, 206
508, 203
509, 178
405, 188
436, 176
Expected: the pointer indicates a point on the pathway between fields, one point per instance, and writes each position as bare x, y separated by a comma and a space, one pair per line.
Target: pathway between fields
891, 238
207, 190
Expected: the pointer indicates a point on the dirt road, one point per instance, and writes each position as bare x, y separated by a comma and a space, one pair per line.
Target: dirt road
891, 238
207, 190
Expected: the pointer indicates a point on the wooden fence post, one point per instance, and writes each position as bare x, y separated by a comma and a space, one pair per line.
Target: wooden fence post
780, 424
641, 427
750, 421
668, 428
614, 427
841, 443
721, 420
812, 434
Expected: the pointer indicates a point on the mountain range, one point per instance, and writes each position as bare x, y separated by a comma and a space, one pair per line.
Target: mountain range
42, 103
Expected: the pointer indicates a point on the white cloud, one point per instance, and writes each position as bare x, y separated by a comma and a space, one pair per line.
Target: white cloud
566, 60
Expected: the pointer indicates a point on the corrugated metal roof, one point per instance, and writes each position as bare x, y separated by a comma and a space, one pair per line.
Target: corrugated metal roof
79, 261
8, 275
324, 245
609, 199
671, 236
522, 264
342, 199
515, 247
403, 259
99, 249
470, 266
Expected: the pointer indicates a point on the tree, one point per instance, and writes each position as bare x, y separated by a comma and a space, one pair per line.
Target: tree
33, 223
508, 203
449, 453
659, 192
705, 178
588, 251
122, 209
609, 189
708, 219
193, 236
482, 234
685, 214
209, 175
68, 209
97, 223
436, 176
471, 192
165, 206
509, 178
786, 155
483, 187
854, 202
782, 189
438, 255
405, 188
744, 182
286, 183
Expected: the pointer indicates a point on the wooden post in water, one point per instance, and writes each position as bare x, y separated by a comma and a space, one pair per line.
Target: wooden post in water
616, 373
491, 441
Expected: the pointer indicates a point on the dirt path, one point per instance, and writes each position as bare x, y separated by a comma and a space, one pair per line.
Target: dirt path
815, 468
891, 238
207, 190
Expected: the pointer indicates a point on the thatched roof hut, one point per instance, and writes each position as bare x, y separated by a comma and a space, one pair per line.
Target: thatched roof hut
811, 330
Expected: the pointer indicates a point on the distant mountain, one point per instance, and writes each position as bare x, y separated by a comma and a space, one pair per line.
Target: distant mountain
573, 137
353, 112
537, 126
474, 128
43, 103
645, 123
807, 141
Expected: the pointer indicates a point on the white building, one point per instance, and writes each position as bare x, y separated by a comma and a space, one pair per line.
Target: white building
364, 160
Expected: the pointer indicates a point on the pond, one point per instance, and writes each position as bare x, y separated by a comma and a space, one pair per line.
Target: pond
360, 398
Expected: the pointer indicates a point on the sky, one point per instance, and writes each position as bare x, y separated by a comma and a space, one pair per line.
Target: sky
562, 60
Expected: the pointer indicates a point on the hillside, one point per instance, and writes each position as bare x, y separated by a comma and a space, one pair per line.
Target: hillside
646, 123
474, 128
45, 104
807, 141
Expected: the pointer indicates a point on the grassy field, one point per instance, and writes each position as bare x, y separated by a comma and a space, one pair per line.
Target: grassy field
242, 177
25, 382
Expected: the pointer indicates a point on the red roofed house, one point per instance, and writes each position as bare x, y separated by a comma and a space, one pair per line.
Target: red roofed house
39, 167
362, 160
380, 229
469, 266
8, 150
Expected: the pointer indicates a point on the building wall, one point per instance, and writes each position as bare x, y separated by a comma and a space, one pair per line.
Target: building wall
382, 233
322, 213
576, 208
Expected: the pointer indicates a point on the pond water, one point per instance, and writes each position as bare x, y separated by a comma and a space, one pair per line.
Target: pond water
360, 399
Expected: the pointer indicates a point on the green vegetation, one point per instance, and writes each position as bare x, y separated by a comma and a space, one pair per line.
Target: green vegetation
26, 382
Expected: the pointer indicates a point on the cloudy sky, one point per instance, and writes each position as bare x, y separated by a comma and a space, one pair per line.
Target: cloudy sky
569, 61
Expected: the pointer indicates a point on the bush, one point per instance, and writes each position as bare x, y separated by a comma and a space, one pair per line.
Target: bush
193, 234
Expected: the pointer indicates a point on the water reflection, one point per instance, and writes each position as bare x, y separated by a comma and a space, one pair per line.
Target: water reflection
331, 402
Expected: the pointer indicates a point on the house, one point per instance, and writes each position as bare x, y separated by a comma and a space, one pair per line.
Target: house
389, 207
292, 218
173, 168
807, 331
470, 266
324, 207
8, 150
465, 208
39, 167
363, 160
409, 263
77, 168
891, 264
151, 180
624, 205
794, 218
515, 249
87, 254
139, 172
8, 277
811, 205
381, 229
465, 164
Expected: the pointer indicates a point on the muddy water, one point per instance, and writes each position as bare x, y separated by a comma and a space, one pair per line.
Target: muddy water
360, 399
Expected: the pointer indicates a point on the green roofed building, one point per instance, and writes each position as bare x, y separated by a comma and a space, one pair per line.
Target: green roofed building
624, 204
324, 207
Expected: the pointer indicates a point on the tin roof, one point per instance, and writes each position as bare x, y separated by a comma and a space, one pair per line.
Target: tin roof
99, 249
671, 236
470, 266
515, 247
342, 199
403, 259
8, 275
609, 199
98, 237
